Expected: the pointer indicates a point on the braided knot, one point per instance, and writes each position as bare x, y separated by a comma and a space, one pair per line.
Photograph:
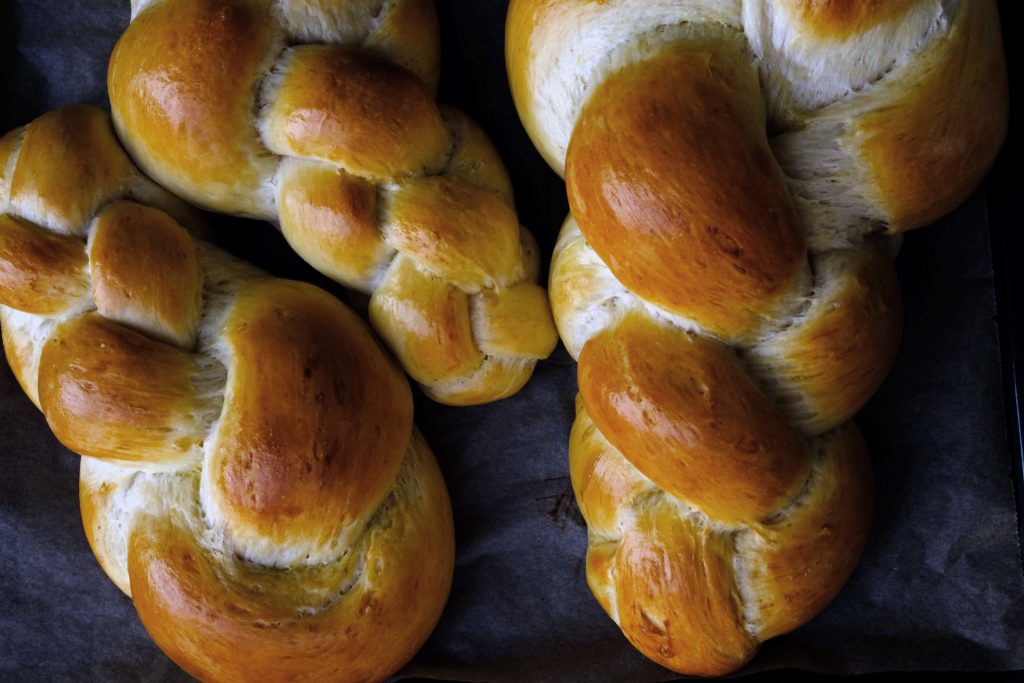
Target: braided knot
722, 282
228, 104
251, 476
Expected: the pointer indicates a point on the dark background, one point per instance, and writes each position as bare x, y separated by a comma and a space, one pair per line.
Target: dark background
938, 588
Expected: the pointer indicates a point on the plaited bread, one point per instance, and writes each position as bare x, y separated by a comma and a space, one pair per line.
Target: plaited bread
725, 283
251, 476
319, 115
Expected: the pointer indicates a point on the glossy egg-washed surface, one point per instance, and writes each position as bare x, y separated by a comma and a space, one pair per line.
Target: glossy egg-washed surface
722, 283
250, 475
320, 115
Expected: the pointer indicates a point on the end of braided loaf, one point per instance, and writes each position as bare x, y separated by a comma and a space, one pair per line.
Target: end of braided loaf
724, 282
251, 476
696, 594
320, 116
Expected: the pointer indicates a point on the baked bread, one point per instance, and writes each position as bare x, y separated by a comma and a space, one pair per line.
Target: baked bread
733, 169
251, 476
319, 115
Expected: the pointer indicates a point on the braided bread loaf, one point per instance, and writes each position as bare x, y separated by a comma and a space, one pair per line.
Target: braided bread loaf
722, 282
319, 114
251, 476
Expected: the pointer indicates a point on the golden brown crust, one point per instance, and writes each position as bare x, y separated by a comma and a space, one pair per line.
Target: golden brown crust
929, 149
330, 218
605, 483
182, 82
667, 580
686, 414
803, 557
524, 16
514, 322
247, 624
252, 478
459, 232
837, 19
95, 173
696, 595
674, 584
473, 158
520, 21
840, 350
408, 36
40, 272
372, 118
277, 96
496, 377
653, 170
882, 113
97, 390
95, 500
20, 353
426, 323
300, 452
145, 272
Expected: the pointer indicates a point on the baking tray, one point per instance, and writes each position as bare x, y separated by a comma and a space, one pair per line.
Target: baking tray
939, 586
1003, 199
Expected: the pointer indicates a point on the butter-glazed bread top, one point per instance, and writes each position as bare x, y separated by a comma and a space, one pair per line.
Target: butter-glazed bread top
319, 115
726, 284
250, 475
877, 112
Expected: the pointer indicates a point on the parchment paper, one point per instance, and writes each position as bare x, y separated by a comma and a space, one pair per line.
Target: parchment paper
939, 586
